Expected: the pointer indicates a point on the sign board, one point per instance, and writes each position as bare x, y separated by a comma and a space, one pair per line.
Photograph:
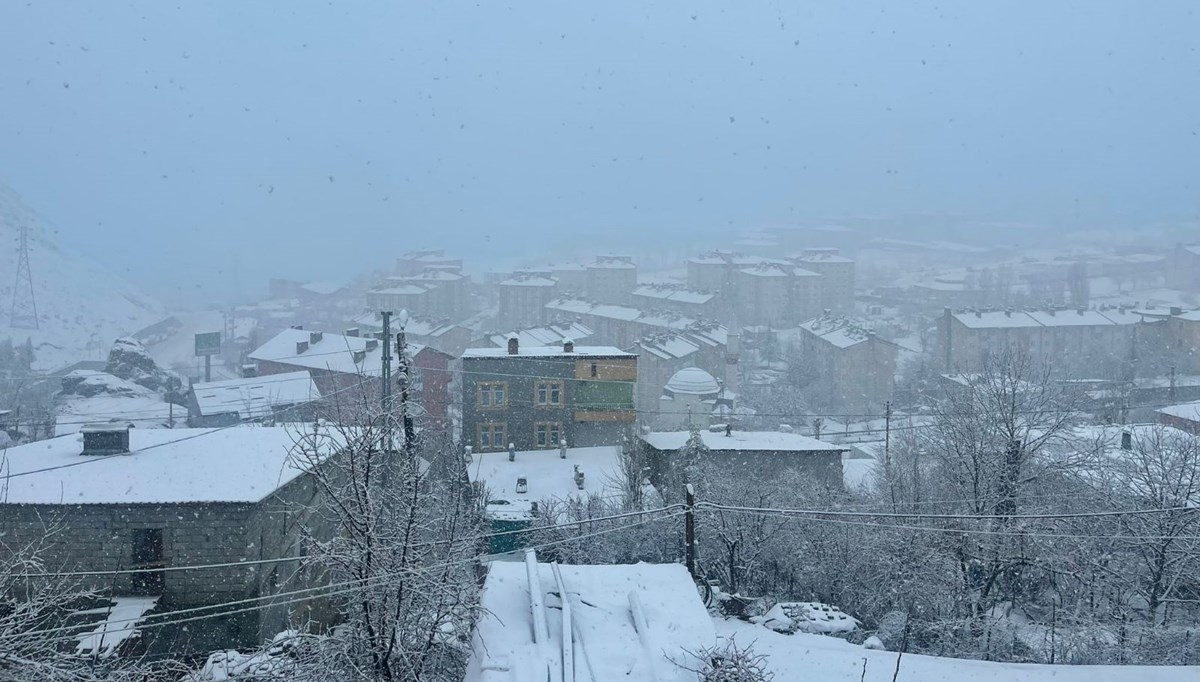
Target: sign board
208, 343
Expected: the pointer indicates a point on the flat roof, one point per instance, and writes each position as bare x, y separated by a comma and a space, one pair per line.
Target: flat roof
240, 464
547, 475
759, 441
548, 351
601, 600
254, 397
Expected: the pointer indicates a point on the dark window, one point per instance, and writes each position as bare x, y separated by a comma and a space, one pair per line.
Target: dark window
148, 553
594, 369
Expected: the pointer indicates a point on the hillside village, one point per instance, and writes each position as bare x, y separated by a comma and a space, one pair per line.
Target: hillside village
616, 341
747, 425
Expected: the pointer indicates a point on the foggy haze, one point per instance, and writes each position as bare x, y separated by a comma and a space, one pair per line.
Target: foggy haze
164, 140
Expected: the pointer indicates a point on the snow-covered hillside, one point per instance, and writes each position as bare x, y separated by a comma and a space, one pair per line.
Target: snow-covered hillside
81, 305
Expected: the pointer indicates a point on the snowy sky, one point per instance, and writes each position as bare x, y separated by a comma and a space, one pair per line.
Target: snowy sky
166, 138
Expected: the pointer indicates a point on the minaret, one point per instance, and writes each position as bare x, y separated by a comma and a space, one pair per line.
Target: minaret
731, 359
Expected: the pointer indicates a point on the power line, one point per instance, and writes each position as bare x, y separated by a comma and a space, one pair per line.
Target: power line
357, 584
951, 517
258, 562
968, 531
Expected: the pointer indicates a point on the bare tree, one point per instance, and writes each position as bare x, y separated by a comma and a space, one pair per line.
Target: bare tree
404, 539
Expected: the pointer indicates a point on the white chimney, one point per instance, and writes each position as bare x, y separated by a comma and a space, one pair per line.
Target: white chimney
562, 448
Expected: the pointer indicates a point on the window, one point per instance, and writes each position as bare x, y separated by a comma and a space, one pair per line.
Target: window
492, 394
492, 436
147, 553
594, 369
547, 434
548, 393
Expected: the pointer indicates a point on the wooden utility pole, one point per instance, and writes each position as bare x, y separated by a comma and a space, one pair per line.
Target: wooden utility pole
410, 434
385, 395
689, 528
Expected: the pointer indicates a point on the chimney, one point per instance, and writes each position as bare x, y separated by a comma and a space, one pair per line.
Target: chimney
249, 371
301, 346
728, 430
359, 356
1008, 312
1126, 440
578, 478
522, 485
298, 326
512, 452
562, 449
105, 439
1051, 311
513, 345
352, 332
1176, 310
315, 337
568, 346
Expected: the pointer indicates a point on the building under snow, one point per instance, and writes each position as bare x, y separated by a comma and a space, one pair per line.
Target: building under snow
123, 500
751, 455
636, 623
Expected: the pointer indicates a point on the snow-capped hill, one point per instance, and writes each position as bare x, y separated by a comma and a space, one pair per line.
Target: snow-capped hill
88, 396
128, 359
81, 305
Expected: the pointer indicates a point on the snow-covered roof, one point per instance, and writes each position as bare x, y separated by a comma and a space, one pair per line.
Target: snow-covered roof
547, 335
333, 352
823, 258
1189, 411
255, 397
630, 622
671, 347
242, 464
529, 282
544, 351
840, 331
323, 288
547, 475
757, 441
673, 293
995, 319
402, 290
692, 381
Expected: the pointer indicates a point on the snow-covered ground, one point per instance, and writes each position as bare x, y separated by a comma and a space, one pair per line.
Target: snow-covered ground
82, 307
828, 659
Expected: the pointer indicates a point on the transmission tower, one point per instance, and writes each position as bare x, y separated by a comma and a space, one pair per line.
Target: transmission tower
24, 308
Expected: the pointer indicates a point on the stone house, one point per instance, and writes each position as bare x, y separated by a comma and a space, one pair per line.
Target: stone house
119, 499
751, 455
535, 397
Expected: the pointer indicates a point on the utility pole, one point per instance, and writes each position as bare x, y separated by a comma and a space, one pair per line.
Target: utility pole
385, 395
689, 528
887, 434
410, 435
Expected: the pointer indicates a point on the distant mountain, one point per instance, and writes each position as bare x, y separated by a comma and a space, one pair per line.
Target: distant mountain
82, 306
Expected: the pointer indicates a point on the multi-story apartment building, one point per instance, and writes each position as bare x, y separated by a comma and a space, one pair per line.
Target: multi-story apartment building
611, 279
1183, 267
837, 277
854, 370
523, 297
416, 262
1100, 340
677, 298
536, 397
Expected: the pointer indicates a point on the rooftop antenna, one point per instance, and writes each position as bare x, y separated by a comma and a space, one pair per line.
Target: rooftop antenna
23, 314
